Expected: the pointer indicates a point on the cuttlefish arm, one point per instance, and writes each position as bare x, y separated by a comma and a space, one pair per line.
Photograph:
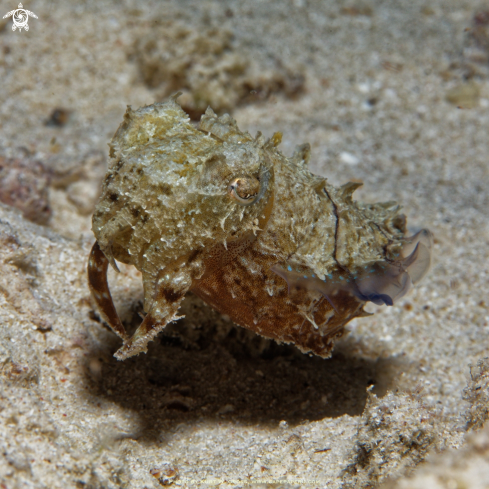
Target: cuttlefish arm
97, 280
385, 282
380, 282
170, 286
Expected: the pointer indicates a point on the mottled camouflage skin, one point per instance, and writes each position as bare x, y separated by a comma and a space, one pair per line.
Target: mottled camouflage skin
253, 233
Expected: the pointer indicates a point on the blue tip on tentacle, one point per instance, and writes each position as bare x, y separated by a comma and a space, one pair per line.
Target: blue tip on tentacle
380, 282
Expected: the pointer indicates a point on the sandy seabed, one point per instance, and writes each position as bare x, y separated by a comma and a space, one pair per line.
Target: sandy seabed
395, 94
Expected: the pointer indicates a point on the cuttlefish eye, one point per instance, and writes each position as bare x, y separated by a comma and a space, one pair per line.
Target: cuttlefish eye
244, 190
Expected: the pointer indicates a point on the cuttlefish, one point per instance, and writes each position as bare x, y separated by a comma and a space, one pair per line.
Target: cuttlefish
255, 234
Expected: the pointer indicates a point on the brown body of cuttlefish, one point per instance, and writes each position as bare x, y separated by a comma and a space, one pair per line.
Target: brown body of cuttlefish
258, 237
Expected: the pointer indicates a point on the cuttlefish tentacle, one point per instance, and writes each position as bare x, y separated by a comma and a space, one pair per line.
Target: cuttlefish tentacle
385, 282
382, 283
419, 267
97, 280
307, 280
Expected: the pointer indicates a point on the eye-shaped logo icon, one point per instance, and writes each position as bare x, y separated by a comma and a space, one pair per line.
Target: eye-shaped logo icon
20, 17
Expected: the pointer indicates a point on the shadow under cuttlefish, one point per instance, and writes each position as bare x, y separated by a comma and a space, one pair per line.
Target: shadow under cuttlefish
205, 367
